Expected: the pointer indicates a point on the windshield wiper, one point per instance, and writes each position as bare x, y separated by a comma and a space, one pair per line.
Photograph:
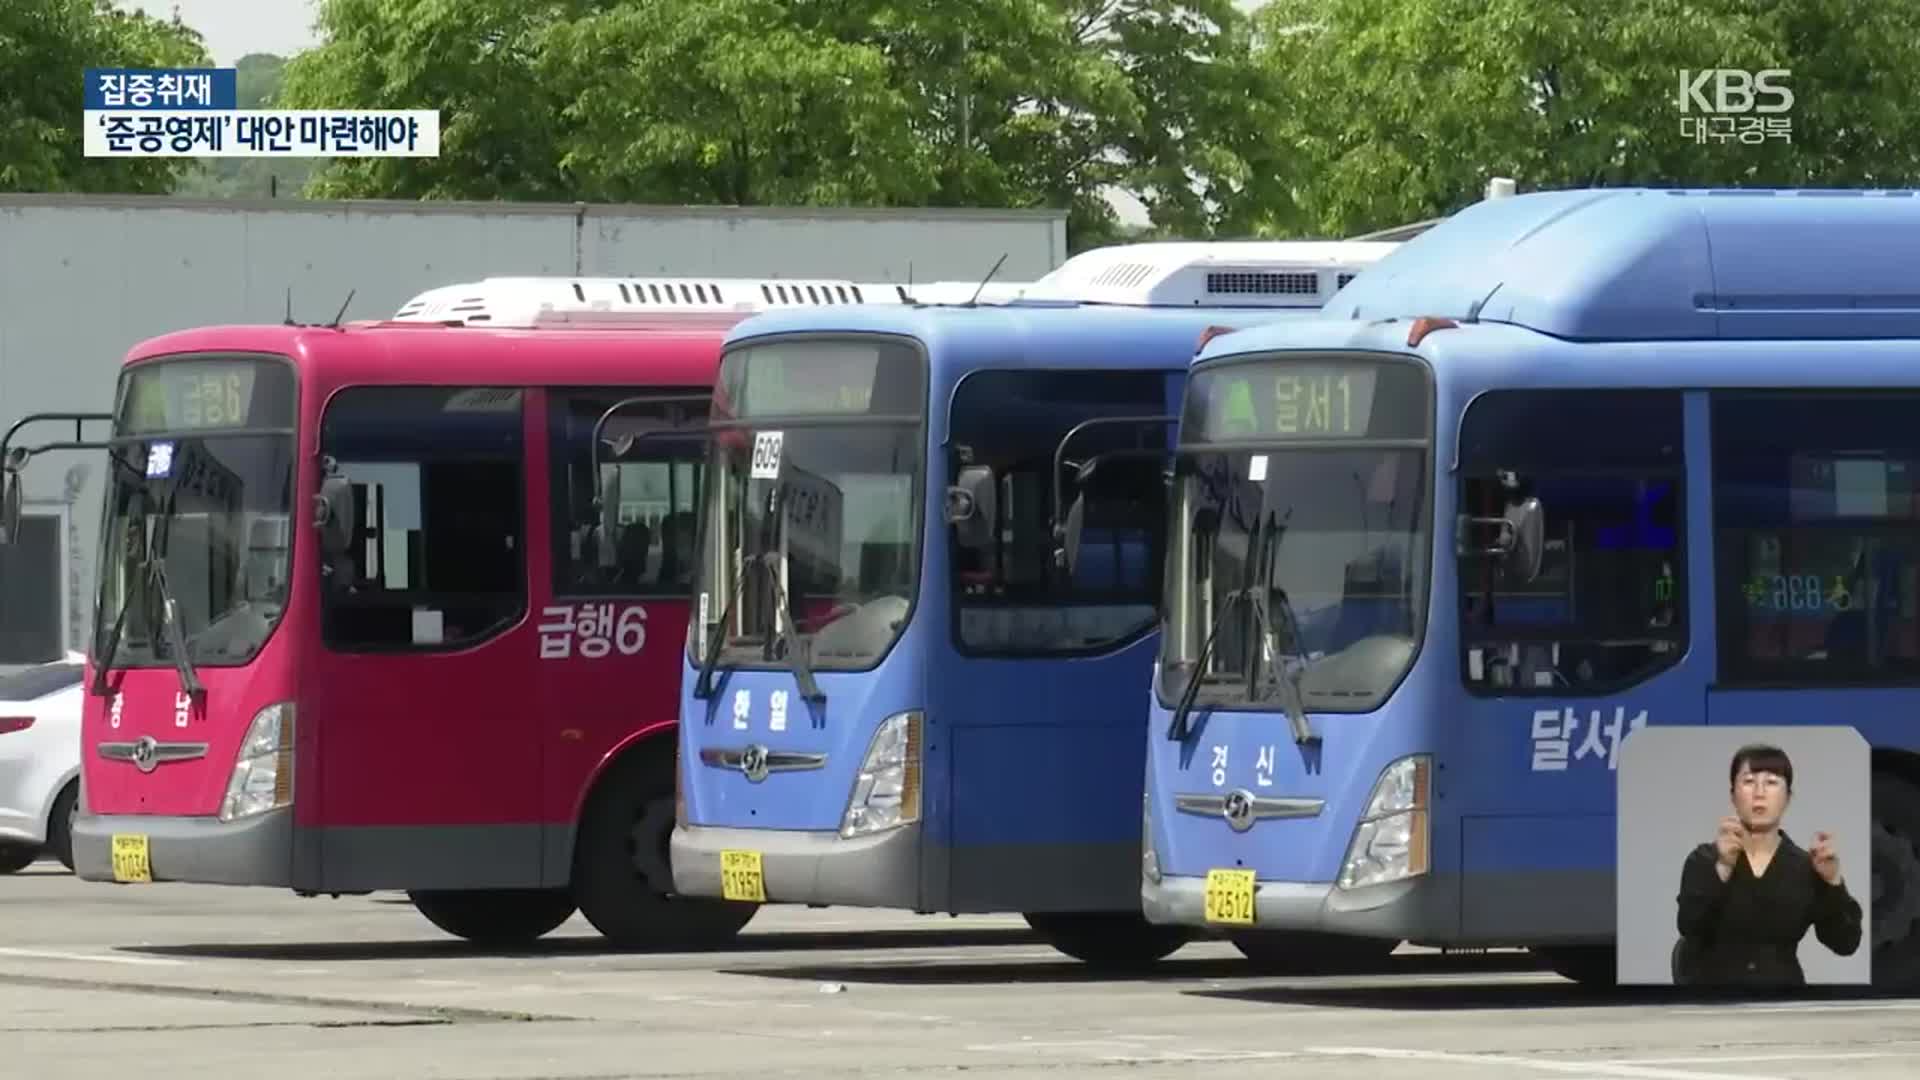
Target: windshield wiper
170, 618
1255, 593
169, 607
104, 661
703, 685
1263, 593
1179, 730
783, 615
768, 563
781, 612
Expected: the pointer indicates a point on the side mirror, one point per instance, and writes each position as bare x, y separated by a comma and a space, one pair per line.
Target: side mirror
1519, 540
1527, 521
334, 514
972, 507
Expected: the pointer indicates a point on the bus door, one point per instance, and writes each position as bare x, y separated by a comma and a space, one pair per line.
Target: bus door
427, 725
613, 602
1042, 693
1560, 665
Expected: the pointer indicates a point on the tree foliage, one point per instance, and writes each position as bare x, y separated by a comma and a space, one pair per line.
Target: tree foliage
44, 47
1311, 118
728, 101
258, 77
1400, 111
1011, 103
474, 60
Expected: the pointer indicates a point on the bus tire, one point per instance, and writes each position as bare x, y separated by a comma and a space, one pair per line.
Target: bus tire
1594, 966
1299, 952
16, 857
1109, 940
622, 876
60, 824
1894, 883
494, 917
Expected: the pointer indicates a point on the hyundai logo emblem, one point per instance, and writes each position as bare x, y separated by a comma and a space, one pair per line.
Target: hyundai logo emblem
146, 753
753, 762
1237, 808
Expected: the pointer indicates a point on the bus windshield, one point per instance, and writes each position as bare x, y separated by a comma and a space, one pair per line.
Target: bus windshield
1299, 535
809, 531
201, 491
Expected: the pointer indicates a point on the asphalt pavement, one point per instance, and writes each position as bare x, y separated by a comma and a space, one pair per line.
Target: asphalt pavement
171, 982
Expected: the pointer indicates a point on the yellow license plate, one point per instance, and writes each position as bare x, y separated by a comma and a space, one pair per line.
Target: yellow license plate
1230, 897
740, 876
130, 858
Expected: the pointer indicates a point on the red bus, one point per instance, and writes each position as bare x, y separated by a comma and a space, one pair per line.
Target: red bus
400, 604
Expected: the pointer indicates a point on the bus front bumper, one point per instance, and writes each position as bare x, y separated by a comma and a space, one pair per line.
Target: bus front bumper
1413, 909
206, 850
877, 870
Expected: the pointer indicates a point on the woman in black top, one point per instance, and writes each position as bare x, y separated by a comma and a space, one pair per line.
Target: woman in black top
1748, 898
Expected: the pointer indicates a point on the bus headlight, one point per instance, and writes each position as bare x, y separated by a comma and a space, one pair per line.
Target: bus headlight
1391, 842
886, 793
263, 770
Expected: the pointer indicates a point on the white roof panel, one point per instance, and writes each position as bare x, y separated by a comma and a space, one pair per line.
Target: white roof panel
1253, 273
522, 302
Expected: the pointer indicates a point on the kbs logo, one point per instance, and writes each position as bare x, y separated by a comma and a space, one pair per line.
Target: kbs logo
1735, 92
1726, 98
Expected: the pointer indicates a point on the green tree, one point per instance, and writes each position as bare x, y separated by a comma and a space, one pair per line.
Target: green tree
45, 45
474, 60
258, 77
1002, 103
1051, 102
1197, 142
729, 101
1399, 111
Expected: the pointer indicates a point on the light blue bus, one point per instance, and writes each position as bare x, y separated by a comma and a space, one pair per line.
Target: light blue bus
899, 692
1566, 465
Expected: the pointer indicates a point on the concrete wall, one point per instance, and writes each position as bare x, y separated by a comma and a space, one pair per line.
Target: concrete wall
84, 278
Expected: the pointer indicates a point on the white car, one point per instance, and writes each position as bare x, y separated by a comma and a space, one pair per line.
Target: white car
40, 761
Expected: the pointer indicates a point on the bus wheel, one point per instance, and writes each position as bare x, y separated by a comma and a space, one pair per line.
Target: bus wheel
15, 859
1595, 966
494, 917
1895, 883
1112, 940
1302, 951
621, 874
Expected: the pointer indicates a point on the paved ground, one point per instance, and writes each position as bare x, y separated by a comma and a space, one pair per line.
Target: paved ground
174, 981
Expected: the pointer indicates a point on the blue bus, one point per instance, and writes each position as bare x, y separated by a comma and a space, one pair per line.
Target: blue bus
1557, 469
899, 690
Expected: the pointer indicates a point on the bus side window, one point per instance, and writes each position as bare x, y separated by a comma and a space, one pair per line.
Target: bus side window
630, 530
437, 560
1013, 599
1817, 537
1607, 610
